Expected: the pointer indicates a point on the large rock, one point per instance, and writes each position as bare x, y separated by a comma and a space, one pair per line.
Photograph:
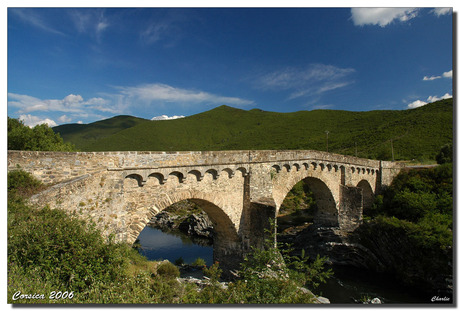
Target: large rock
198, 225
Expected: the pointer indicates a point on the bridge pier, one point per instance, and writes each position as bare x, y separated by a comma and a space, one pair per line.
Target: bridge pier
350, 208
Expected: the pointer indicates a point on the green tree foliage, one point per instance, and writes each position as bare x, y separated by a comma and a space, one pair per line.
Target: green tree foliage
40, 137
413, 223
445, 155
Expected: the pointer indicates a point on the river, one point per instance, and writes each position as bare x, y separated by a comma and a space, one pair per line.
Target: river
347, 284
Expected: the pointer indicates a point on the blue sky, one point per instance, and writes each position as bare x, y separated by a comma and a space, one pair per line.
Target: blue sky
69, 65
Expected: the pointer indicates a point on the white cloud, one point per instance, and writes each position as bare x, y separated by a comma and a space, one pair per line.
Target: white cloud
314, 79
32, 17
381, 16
31, 120
162, 93
64, 119
447, 74
441, 11
426, 78
70, 104
416, 104
430, 99
89, 21
165, 117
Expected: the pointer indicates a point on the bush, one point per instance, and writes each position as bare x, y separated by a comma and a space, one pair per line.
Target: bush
199, 262
23, 184
168, 270
445, 155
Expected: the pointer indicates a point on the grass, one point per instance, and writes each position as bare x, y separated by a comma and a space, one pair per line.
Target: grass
416, 133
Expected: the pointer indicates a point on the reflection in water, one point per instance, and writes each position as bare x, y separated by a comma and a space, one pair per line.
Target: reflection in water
157, 245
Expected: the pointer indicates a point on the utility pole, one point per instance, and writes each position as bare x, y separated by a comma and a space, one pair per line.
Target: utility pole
392, 151
327, 141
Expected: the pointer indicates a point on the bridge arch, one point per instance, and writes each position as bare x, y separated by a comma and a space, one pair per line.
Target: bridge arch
225, 239
368, 193
326, 213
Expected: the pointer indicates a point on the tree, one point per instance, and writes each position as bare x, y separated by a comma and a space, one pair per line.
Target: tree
445, 155
41, 137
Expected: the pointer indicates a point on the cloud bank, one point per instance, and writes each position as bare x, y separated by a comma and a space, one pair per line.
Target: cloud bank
447, 74
385, 16
163, 93
430, 99
124, 100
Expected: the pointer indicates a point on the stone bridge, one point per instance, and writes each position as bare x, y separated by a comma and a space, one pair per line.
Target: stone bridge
239, 190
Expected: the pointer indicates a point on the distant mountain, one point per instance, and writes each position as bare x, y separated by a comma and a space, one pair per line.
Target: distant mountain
416, 133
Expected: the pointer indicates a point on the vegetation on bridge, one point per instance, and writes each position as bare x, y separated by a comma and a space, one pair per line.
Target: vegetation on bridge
414, 134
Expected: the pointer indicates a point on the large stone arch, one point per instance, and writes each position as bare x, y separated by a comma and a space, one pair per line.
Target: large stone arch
226, 241
327, 212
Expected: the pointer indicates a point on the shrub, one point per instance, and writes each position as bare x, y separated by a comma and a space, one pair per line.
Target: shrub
168, 270
199, 262
23, 184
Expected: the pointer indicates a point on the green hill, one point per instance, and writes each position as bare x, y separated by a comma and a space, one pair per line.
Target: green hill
416, 133
82, 135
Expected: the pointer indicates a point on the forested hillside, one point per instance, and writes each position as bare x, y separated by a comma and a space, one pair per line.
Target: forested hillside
415, 133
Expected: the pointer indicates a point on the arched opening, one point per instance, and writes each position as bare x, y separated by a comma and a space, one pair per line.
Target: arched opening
368, 195
190, 233
309, 202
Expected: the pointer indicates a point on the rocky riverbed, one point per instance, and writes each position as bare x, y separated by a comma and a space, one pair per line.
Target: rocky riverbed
363, 249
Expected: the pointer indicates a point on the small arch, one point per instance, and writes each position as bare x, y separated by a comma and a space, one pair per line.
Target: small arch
315, 165
297, 166
179, 176
159, 176
336, 168
322, 166
372, 171
368, 171
353, 169
243, 171
358, 170
288, 167
305, 165
229, 171
213, 172
138, 178
329, 167
277, 168
197, 174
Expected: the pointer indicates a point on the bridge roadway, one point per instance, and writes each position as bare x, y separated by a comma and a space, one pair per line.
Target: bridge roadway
239, 190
